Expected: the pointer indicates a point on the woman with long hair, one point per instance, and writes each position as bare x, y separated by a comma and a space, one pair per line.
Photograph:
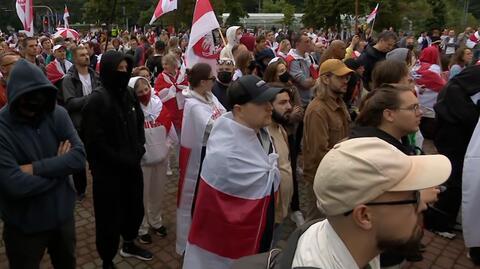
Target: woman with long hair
462, 58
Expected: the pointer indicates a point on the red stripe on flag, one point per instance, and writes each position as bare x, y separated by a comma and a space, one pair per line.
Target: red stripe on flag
158, 10
201, 8
183, 165
228, 226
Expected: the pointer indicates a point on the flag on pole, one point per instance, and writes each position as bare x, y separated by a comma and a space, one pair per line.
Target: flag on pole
66, 15
372, 15
25, 13
163, 6
201, 46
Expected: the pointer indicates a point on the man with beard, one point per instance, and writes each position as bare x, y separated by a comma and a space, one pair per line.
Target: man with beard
112, 125
370, 193
78, 84
326, 122
282, 109
39, 149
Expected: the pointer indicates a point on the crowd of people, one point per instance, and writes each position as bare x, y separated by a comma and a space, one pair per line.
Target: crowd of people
348, 118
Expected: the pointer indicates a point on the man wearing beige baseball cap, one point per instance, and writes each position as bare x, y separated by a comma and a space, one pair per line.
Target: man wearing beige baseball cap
326, 122
369, 191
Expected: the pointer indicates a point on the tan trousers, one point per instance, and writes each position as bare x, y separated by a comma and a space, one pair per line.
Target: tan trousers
311, 203
154, 185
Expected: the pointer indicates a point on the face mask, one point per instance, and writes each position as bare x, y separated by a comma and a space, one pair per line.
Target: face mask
285, 77
225, 76
410, 47
122, 79
144, 99
35, 103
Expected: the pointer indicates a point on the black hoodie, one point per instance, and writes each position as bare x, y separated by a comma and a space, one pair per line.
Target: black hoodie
112, 120
370, 57
456, 114
45, 200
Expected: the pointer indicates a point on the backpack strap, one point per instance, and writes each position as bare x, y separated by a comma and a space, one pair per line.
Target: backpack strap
289, 252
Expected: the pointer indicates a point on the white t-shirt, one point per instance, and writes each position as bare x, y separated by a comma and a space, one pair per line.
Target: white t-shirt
321, 247
86, 84
450, 50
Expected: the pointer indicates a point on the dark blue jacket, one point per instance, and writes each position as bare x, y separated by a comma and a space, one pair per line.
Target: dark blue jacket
47, 199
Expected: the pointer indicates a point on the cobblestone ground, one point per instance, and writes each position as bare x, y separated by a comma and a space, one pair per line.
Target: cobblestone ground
441, 253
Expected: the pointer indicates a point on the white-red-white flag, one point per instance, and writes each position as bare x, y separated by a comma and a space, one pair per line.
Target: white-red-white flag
372, 15
163, 6
66, 15
237, 184
25, 13
201, 46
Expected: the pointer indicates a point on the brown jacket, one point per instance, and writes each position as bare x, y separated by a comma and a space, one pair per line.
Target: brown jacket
326, 123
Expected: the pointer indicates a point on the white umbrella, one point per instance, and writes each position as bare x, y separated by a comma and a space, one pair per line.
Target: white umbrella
67, 33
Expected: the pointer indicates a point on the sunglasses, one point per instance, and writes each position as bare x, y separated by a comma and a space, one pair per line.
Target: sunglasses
415, 201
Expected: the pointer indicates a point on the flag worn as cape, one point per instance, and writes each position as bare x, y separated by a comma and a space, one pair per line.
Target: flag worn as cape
237, 181
471, 191
196, 114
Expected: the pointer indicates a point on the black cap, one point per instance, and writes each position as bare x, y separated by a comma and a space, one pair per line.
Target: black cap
250, 89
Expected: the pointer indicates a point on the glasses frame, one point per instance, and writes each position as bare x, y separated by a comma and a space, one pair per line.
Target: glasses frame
391, 203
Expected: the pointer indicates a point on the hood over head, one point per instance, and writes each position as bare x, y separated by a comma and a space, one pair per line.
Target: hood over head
430, 55
108, 68
399, 54
232, 35
26, 78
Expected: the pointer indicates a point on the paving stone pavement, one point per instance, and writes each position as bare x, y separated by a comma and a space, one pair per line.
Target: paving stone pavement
440, 253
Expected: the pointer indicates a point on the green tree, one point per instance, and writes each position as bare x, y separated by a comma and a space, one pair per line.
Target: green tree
236, 11
437, 20
288, 14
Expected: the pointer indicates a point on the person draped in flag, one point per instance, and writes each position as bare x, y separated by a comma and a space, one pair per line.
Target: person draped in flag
202, 109
235, 205
58, 68
160, 137
169, 86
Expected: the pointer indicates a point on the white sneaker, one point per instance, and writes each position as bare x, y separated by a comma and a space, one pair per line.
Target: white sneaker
447, 235
298, 218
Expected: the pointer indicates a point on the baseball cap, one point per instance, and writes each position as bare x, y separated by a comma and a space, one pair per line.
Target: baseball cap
56, 47
335, 66
252, 89
358, 170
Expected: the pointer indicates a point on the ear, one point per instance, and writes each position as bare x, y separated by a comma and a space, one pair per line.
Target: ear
388, 115
324, 80
362, 217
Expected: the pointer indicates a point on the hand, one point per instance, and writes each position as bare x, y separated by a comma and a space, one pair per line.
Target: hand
355, 40
429, 195
310, 82
297, 113
64, 148
27, 169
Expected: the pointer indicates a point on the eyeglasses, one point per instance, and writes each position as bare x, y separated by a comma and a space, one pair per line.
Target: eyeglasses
226, 62
415, 108
416, 203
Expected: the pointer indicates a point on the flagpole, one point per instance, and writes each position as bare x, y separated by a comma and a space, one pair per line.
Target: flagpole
223, 38
371, 29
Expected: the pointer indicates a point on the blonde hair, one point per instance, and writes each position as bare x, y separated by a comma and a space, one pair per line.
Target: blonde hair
171, 59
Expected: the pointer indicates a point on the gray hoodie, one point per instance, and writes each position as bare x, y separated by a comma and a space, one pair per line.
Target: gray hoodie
45, 200
399, 54
231, 41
